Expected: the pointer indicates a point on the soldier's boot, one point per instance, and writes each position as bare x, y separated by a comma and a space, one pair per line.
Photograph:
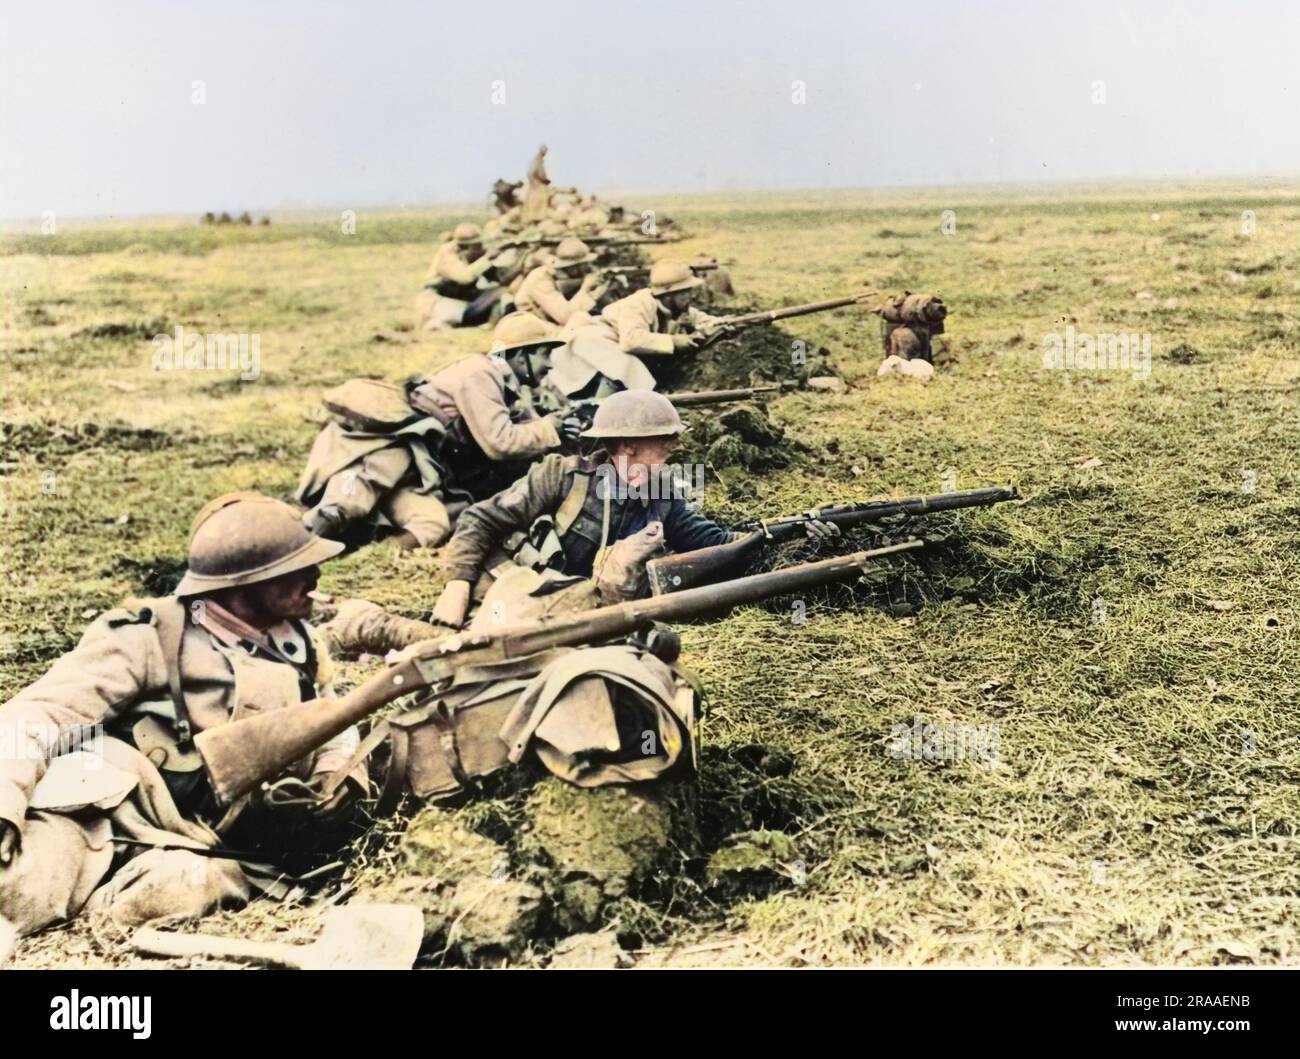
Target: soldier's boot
362, 627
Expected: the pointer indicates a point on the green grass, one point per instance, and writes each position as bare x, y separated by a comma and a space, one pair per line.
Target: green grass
1128, 819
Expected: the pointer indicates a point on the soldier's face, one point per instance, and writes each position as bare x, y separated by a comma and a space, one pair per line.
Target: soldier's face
678, 301
286, 596
638, 461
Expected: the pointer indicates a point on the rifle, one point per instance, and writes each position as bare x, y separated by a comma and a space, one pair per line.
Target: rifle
768, 316
686, 571
704, 266
586, 409
590, 240
242, 754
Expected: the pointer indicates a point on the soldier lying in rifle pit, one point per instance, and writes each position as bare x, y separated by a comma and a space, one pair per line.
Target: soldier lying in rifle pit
412, 458
566, 509
126, 826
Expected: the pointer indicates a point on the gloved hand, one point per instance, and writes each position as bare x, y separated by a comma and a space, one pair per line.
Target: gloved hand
452, 605
818, 531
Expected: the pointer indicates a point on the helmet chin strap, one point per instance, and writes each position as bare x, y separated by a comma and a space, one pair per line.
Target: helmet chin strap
527, 353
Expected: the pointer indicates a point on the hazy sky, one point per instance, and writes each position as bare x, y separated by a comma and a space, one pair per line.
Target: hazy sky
382, 102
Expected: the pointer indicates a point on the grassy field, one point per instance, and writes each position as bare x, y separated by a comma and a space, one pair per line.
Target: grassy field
1129, 628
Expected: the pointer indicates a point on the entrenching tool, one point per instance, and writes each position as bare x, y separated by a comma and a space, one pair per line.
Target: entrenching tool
355, 938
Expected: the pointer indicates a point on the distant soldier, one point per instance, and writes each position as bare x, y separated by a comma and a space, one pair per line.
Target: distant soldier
541, 292
537, 199
602, 355
411, 458
104, 802
460, 289
567, 509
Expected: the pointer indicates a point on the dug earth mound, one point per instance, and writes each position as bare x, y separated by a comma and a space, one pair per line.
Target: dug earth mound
741, 437
576, 877
750, 356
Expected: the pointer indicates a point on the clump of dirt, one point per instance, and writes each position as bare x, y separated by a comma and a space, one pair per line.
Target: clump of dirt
757, 354
125, 331
1185, 354
158, 576
38, 316
743, 437
46, 441
603, 845
752, 864
474, 912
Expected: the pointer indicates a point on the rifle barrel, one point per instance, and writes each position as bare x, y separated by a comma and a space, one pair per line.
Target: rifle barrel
768, 316
853, 514
702, 397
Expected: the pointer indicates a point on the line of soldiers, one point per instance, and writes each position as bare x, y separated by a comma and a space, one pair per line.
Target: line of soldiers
104, 803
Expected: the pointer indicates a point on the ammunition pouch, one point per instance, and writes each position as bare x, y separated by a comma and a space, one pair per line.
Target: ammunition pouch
592, 716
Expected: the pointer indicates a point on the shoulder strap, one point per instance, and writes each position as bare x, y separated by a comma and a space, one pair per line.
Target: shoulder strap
171, 616
571, 507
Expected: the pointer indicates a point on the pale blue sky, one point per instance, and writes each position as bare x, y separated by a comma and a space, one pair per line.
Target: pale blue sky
332, 104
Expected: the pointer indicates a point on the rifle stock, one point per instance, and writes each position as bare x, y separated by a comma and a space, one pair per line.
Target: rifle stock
244, 753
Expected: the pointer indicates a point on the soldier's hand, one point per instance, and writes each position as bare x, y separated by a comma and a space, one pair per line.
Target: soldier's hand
685, 342
818, 531
8, 843
338, 804
568, 425
452, 605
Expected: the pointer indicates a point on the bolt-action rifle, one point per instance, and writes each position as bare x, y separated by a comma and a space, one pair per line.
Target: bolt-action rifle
688, 570
242, 754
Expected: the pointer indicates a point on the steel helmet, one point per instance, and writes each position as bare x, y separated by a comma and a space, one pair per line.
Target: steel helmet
517, 330
635, 414
243, 538
669, 276
572, 252
467, 234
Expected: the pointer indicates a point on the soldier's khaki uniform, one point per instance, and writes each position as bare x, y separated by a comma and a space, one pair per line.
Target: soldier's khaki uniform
540, 295
537, 199
451, 284
559, 516
632, 327
418, 477
68, 806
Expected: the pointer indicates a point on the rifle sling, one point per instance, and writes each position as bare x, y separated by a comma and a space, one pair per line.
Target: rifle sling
171, 637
